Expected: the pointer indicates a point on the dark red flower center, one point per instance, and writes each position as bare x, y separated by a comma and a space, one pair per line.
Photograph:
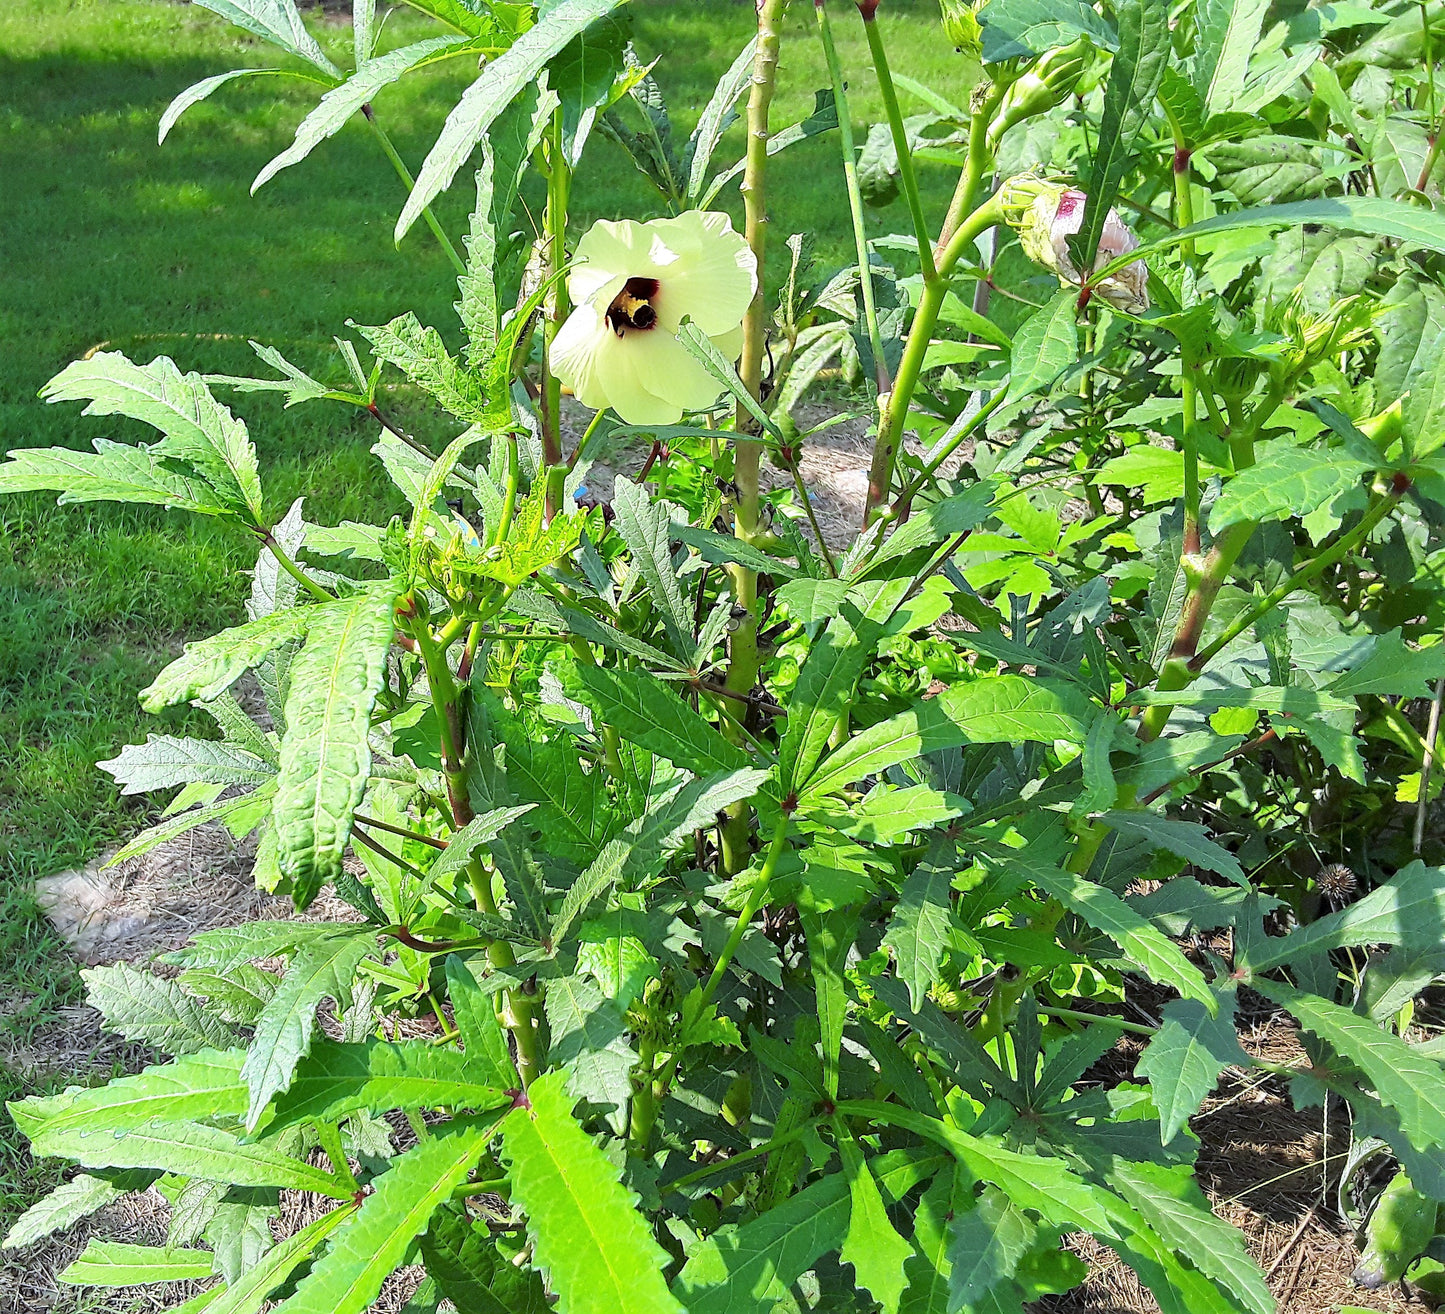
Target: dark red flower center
632, 307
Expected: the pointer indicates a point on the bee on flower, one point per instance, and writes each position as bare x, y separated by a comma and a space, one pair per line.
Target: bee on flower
632, 285
1047, 214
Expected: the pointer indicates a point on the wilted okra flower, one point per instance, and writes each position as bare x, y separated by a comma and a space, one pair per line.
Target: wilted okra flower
1047, 214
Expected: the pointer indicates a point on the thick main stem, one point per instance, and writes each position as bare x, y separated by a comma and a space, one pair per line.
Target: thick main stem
743, 660
519, 1013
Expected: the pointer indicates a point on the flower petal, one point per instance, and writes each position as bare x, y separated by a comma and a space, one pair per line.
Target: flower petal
611, 252
714, 276
583, 354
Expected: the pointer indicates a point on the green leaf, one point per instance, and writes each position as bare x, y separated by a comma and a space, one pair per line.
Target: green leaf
972, 1065
207, 668
717, 116
197, 429
64, 1207
1145, 946
872, 1246
199, 91
921, 929
719, 549
1175, 1207
464, 15
478, 831
420, 354
192, 1149
336, 1080
1004, 709
1286, 481
472, 1274
1045, 345
986, 1244
225, 946
249, 1291
1014, 28
1393, 668
142, 1006
824, 692
1038, 1182
347, 1278
1409, 909
647, 713
164, 760
1408, 1083
491, 249
320, 970
1409, 321
598, 1253
1184, 839
705, 351
206, 1084
1227, 32
489, 1058
639, 853
491, 93
1134, 77
1356, 214
737, 1270
114, 472
830, 934
277, 21
1183, 1061
340, 103
644, 526
590, 1038
326, 755
116, 1264
935, 522
928, 1270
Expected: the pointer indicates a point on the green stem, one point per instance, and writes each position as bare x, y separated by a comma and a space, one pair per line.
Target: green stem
404, 174
976, 163
902, 502
894, 410
794, 467
756, 1152
755, 899
520, 1010
509, 500
743, 658
592, 427
855, 197
1380, 507
1074, 1015
559, 191
907, 177
374, 824
295, 571
1188, 380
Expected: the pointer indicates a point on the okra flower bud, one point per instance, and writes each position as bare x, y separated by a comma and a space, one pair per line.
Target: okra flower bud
1048, 83
961, 27
1047, 214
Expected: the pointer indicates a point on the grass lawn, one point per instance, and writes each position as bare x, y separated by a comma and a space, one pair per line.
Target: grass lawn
107, 238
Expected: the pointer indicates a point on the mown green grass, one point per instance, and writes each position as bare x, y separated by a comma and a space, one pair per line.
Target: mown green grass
108, 238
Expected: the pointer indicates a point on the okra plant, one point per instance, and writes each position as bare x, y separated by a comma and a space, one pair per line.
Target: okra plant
772, 901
